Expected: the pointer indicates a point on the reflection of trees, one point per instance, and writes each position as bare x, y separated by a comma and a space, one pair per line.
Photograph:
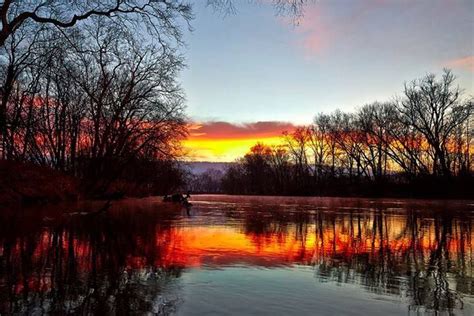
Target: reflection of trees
127, 261
265, 228
430, 286
98, 264
422, 261
424, 258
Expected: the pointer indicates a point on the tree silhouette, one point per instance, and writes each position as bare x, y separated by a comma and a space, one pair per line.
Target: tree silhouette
157, 16
420, 142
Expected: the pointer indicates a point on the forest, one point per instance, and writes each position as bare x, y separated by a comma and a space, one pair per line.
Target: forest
92, 91
418, 144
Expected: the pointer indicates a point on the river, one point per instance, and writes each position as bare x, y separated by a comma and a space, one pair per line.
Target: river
238, 255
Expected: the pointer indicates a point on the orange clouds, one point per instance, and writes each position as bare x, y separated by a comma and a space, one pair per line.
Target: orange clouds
314, 33
464, 63
223, 141
225, 130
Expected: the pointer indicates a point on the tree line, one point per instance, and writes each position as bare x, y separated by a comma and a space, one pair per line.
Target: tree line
99, 99
418, 143
90, 87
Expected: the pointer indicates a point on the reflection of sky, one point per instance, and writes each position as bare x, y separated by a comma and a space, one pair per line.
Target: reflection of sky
243, 255
244, 291
254, 66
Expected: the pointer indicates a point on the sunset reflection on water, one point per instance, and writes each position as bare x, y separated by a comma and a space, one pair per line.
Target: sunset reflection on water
133, 258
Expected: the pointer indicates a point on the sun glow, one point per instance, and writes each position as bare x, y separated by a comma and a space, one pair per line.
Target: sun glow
218, 141
225, 149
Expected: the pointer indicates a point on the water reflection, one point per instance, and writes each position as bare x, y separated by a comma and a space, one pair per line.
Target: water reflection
130, 259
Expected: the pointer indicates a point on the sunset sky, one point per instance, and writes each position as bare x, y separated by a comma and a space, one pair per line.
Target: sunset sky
252, 74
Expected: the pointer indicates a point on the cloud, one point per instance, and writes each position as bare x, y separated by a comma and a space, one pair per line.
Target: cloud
325, 24
464, 63
226, 130
313, 34
344, 25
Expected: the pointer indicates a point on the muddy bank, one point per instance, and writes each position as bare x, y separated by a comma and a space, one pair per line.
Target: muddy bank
23, 184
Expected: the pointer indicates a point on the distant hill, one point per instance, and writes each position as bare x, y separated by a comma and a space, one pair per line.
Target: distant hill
199, 167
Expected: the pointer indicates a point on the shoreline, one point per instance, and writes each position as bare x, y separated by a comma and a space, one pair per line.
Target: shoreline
23, 184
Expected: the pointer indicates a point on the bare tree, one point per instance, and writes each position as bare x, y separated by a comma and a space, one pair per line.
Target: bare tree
297, 144
294, 8
15, 59
422, 138
158, 16
434, 108
321, 143
375, 122
91, 102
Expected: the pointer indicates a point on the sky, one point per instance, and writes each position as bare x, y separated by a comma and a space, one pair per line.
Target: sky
253, 74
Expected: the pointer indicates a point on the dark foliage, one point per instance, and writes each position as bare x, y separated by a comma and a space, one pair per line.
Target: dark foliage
418, 145
96, 100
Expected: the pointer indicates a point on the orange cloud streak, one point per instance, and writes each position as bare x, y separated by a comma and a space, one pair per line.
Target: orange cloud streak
465, 63
224, 142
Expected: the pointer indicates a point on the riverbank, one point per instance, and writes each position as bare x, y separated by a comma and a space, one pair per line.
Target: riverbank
29, 184
26, 184
23, 184
422, 187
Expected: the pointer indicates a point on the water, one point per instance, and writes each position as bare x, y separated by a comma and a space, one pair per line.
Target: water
240, 255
